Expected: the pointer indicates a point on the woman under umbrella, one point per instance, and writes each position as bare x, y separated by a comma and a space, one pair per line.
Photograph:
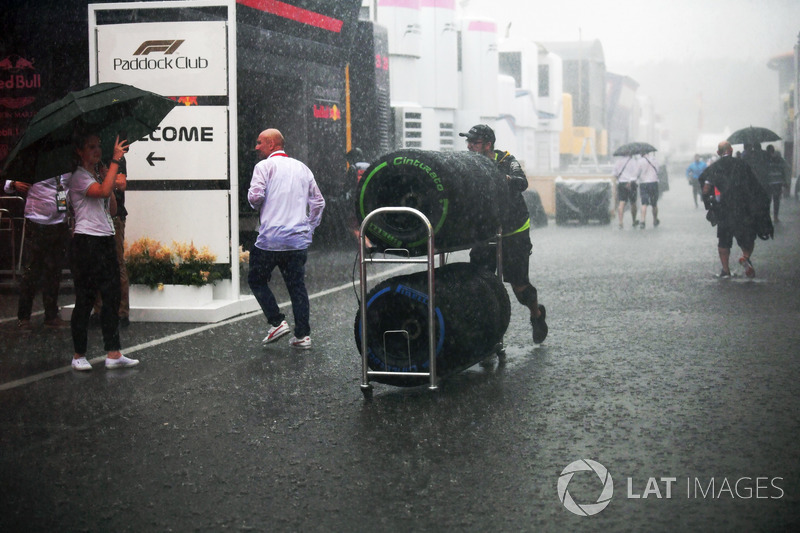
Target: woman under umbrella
94, 256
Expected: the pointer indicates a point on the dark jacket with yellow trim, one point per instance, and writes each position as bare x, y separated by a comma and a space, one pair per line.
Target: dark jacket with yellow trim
515, 212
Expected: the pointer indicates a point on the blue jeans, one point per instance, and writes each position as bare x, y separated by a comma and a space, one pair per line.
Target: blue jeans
292, 266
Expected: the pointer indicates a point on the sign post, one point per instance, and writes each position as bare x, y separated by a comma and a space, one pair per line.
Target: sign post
182, 178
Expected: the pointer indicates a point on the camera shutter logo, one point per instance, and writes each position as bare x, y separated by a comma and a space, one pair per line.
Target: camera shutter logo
586, 509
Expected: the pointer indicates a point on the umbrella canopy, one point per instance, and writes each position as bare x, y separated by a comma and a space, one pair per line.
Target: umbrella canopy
635, 148
753, 135
46, 149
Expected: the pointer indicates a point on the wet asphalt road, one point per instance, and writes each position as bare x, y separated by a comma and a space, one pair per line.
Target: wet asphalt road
667, 377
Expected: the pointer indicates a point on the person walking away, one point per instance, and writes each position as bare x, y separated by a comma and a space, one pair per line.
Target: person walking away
754, 156
626, 170
94, 257
290, 208
778, 178
516, 224
693, 172
46, 241
739, 207
648, 187
119, 220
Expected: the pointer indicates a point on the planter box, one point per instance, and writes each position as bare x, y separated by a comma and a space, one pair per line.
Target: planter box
184, 303
174, 296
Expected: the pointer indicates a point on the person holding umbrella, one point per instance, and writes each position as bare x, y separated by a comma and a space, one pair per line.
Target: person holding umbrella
94, 257
738, 205
777, 177
626, 170
648, 187
48, 148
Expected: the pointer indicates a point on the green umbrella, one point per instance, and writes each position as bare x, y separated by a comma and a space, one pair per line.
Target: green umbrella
46, 149
753, 135
634, 148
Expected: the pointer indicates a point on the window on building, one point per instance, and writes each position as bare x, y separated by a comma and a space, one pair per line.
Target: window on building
544, 80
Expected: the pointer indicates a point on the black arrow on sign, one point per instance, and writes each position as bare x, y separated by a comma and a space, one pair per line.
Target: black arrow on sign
150, 159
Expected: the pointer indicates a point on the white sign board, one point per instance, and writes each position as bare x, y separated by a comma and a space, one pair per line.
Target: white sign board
172, 59
191, 143
182, 59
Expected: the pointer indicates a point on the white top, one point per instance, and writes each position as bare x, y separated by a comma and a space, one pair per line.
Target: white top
40, 202
290, 204
92, 215
626, 168
648, 169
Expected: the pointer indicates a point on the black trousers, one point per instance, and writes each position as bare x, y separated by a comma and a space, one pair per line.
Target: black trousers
776, 191
45, 250
95, 269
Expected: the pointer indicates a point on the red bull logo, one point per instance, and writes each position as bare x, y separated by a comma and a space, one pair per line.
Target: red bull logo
327, 112
186, 100
16, 77
15, 63
19, 86
19, 82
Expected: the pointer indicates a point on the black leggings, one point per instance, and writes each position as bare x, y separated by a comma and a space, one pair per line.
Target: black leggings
776, 190
95, 268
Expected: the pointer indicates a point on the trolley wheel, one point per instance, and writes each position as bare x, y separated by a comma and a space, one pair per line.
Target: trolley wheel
501, 354
366, 390
488, 362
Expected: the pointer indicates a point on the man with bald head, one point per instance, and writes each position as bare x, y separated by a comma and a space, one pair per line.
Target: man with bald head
738, 205
290, 207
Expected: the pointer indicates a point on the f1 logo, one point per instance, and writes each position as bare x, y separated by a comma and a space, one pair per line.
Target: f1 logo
168, 47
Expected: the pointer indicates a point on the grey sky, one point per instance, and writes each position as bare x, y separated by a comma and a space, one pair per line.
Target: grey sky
634, 31
703, 62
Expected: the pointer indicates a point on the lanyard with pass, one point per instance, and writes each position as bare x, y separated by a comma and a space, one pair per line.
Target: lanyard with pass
61, 196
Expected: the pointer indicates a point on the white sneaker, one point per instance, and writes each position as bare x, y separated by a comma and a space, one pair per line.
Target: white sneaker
276, 331
122, 362
304, 343
81, 364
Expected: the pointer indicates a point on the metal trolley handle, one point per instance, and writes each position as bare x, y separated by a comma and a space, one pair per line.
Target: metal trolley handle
366, 373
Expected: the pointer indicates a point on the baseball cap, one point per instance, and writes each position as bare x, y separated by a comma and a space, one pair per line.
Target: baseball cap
481, 131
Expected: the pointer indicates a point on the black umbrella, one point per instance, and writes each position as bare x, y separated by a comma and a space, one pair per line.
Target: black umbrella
753, 135
107, 109
635, 148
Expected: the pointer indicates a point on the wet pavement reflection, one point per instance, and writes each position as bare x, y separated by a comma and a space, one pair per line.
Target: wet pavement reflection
653, 368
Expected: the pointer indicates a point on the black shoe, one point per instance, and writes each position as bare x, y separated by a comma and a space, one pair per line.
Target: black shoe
539, 326
124, 322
